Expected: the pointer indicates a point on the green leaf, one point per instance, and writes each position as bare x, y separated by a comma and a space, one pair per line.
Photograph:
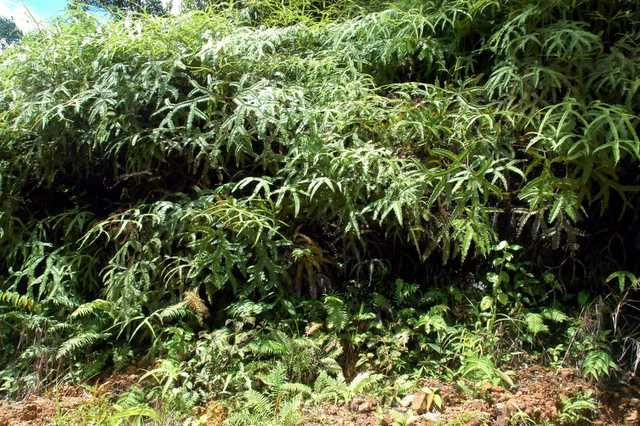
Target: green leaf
486, 303
626, 280
535, 323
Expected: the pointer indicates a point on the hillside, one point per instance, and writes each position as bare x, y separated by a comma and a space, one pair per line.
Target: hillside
279, 206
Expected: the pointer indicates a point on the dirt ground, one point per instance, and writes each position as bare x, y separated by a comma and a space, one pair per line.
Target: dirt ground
37, 410
538, 394
40, 410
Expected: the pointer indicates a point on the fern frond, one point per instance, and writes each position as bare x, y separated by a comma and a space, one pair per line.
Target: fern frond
535, 323
598, 364
337, 316
172, 313
95, 307
363, 380
79, 342
18, 301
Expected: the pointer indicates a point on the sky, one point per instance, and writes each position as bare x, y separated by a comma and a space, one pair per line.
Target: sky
43, 8
29, 14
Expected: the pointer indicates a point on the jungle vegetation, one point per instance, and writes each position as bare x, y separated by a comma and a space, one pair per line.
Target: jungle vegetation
9, 32
255, 199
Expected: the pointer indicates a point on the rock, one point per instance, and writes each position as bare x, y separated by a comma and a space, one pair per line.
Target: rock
419, 403
634, 402
431, 416
407, 400
566, 373
425, 419
355, 403
367, 406
413, 421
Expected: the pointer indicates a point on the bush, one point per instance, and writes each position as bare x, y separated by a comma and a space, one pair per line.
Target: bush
160, 170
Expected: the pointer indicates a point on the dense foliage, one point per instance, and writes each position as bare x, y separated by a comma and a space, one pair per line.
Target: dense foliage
436, 186
9, 32
143, 6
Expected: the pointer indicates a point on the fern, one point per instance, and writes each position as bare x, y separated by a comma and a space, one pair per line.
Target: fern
18, 301
172, 313
554, 315
362, 381
535, 323
579, 408
290, 411
598, 364
280, 403
483, 369
337, 316
80, 342
95, 307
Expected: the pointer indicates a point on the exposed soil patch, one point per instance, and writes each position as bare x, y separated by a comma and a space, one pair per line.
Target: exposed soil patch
538, 394
620, 405
340, 416
37, 410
